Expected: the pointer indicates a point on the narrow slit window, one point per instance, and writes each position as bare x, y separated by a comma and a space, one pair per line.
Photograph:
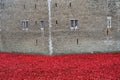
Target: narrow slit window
35, 6
56, 22
56, 5
77, 41
69, 4
36, 42
107, 32
24, 6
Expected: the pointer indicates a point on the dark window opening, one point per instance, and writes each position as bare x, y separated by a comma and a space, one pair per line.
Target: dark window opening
25, 24
70, 4
36, 42
107, 32
77, 41
24, 6
56, 22
35, 6
74, 23
56, 5
42, 24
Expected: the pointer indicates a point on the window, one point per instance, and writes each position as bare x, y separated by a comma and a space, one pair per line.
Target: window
24, 6
109, 22
77, 41
74, 24
107, 32
25, 24
56, 22
55, 4
42, 25
35, 6
36, 42
70, 4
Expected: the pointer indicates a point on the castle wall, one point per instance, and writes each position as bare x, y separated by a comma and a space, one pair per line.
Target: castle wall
13, 37
90, 35
92, 24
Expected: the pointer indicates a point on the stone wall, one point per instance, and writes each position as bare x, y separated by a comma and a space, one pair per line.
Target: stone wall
13, 37
90, 36
92, 24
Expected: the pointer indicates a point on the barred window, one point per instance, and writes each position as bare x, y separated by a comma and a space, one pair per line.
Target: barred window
25, 24
74, 23
42, 24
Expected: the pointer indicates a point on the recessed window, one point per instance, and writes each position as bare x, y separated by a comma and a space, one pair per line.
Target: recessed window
36, 42
56, 22
107, 32
25, 24
35, 6
109, 22
77, 41
56, 5
69, 4
24, 6
74, 24
42, 24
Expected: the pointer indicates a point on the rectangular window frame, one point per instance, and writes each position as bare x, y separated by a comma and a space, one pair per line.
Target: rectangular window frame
25, 24
42, 25
73, 24
109, 22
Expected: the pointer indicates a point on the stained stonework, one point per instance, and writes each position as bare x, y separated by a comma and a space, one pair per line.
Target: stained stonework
90, 35
13, 37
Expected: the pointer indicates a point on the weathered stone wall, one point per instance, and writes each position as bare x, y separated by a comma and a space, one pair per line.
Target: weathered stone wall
13, 37
89, 37
92, 24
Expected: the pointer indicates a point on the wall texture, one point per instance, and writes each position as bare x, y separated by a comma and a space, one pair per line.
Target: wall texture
91, 35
